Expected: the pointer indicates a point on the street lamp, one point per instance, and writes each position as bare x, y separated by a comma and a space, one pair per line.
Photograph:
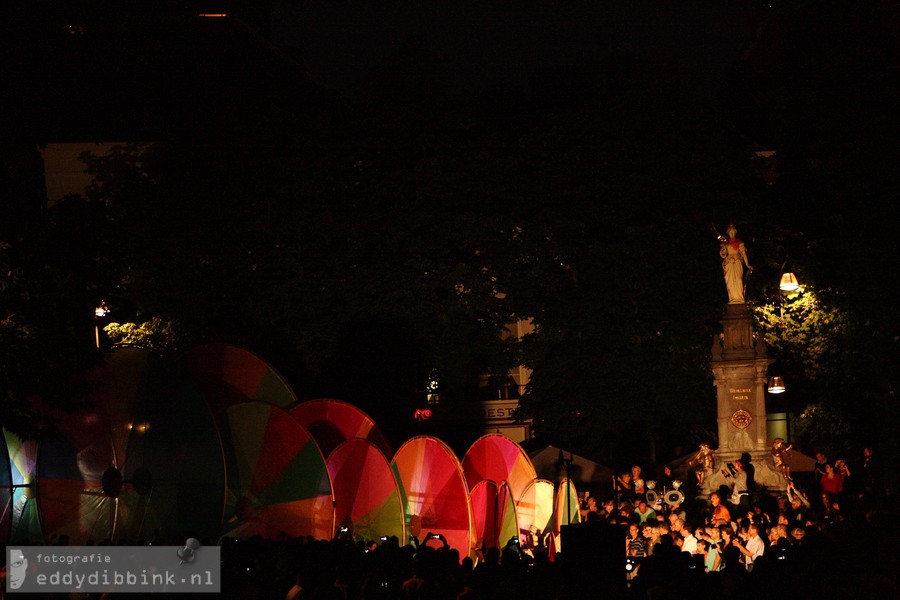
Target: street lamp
776, 385
789, 282
99, 313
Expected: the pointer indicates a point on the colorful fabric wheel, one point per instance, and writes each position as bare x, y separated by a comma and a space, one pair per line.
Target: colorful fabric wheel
498, 458
366, 495
332, 422
277, 480
434, 493
494, 515
25, 525
227, 375
144, 462
534, 510
566, 510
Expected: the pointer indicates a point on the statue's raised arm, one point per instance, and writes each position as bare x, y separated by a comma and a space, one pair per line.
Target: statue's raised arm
734, 259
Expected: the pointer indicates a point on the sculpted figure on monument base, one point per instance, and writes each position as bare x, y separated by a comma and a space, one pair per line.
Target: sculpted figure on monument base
705, 458
780, 452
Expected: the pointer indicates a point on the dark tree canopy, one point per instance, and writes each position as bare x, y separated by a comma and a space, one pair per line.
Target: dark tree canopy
370, 241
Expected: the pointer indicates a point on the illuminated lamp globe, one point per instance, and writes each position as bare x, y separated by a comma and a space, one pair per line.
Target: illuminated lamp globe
776, 385
789, 283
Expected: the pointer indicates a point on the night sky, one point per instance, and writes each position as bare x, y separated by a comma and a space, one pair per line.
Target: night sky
511, 40
159, 66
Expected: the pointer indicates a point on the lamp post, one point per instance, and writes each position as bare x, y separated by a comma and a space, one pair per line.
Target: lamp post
566, 464
787, 283
99, 313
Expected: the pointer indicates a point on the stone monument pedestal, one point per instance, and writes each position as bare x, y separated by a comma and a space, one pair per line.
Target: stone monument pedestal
739, 364
765, 475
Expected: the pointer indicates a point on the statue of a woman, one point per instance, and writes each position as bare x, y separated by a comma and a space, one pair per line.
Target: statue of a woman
734, 258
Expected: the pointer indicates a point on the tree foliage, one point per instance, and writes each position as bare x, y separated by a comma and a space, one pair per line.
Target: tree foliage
388, 239
48, 274
840, 391
163, 337
401, 243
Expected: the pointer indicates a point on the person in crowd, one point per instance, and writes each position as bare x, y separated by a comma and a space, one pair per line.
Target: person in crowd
848, 482
665, 530
651, 536
740, 493
676, 511
872, 475
720, 512
624, 486
831, 508
589, 509
640, 488
634, 542
800, 505
832, 482
711, 560
711, 535
727, 533
783, 519
626, 511
751, 545
610, 514
821, 461
296, 591
778, 536
664, 481
675, 524
690, 541
728, 544
419, 586
352, 570
643, 512
759, 516
784, 508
